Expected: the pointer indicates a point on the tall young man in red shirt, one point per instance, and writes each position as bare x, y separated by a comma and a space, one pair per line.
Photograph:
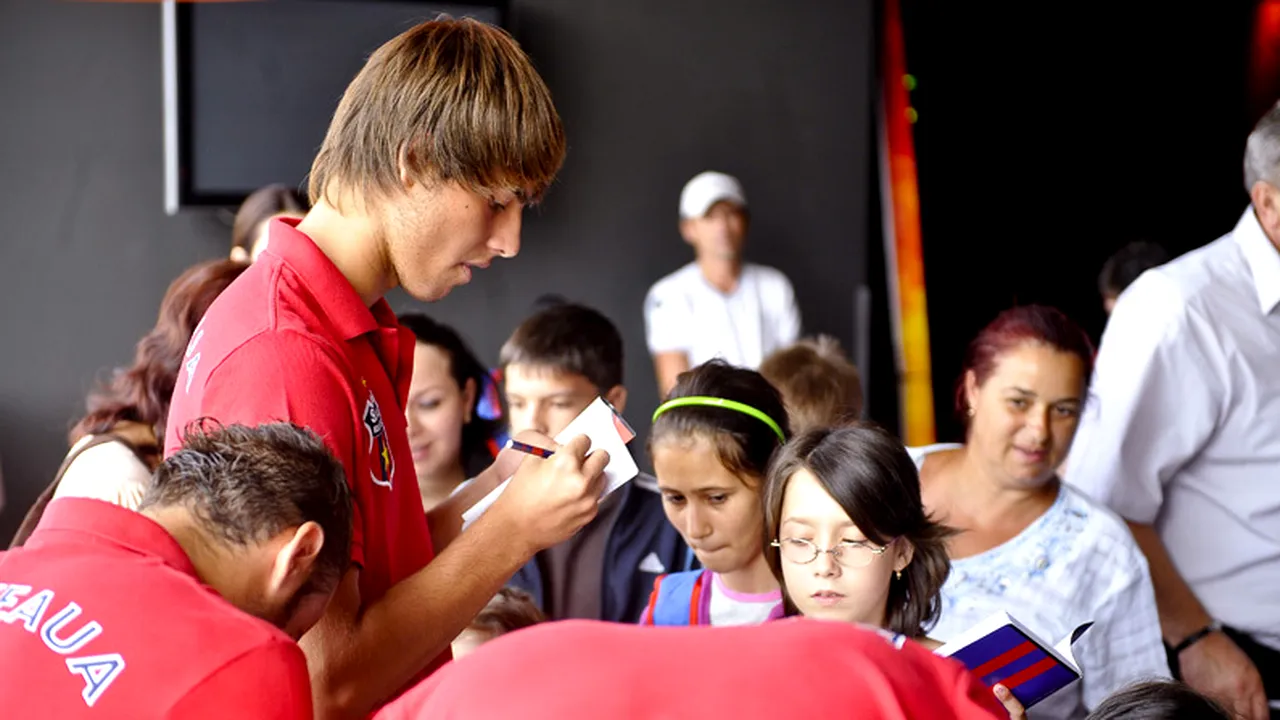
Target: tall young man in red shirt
436, 147
188, 608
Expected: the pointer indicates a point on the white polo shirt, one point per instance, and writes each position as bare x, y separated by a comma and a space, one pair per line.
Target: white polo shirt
1182, 425
684, 312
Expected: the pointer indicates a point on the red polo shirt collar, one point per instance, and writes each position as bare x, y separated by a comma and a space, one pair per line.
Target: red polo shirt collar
87, 520
339, 300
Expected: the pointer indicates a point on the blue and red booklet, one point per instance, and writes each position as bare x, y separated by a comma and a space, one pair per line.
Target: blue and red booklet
1002, 650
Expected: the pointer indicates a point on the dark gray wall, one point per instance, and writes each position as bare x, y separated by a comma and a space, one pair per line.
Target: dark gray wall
651, 93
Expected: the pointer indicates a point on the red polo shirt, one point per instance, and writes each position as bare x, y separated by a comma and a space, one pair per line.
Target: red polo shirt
291, 340
794, 668
102, 616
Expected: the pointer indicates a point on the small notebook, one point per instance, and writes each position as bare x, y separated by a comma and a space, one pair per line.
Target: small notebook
607, 430
1002, 650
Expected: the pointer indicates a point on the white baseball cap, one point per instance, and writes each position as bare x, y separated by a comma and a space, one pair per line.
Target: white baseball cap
707, 189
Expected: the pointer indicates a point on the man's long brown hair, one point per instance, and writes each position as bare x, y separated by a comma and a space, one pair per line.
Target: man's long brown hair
451, 100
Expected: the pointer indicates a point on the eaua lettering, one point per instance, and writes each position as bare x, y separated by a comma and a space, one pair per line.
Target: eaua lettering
96, 671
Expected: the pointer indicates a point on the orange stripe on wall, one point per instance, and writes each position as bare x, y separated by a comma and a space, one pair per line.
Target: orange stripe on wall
904, 250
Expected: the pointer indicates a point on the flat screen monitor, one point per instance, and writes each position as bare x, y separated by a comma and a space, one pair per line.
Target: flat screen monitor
250, 87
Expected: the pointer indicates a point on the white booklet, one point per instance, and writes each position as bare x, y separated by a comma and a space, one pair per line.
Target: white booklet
1002, 650
607, 431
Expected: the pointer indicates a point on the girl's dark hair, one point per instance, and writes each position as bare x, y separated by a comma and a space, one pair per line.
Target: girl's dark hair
1040, 324
744, 444
1158, 700
141, 392
463, 366
262, 204
869, 474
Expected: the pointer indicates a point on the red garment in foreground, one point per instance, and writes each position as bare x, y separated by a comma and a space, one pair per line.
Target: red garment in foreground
794, 668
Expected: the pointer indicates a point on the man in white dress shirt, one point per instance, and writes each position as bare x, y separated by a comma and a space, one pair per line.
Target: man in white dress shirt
717, 305
1182, 438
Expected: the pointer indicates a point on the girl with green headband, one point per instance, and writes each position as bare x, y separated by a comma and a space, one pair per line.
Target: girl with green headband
711, 444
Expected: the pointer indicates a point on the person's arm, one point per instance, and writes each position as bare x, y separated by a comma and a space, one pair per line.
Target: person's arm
668, 366
666, 326
1156, 398
360, 658
358, 654
788, 316
445, 519
1213, 665
267, 683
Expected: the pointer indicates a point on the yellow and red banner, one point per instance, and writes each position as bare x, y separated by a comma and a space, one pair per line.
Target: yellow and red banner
904, 254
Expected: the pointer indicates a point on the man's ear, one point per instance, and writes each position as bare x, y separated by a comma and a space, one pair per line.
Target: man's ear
687, 231
404, 163
617, 397
1266, 206
296, 559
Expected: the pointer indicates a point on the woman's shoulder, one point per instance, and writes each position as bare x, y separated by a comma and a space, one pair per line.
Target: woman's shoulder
1096, 526
918, 453
109, 471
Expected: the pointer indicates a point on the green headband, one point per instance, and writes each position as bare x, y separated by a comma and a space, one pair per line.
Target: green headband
705, 401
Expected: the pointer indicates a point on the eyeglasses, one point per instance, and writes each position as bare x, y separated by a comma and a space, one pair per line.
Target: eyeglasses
848, 554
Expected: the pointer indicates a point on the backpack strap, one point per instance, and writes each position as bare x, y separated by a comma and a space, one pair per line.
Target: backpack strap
676, 599
36, 512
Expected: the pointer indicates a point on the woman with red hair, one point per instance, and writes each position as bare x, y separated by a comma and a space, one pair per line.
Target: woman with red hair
119, 441
1028, 544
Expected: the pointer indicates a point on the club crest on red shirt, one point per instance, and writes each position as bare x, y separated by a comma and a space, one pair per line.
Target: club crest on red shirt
382, 463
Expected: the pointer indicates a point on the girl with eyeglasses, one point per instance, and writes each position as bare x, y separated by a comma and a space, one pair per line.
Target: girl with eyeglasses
849, 539
711, 444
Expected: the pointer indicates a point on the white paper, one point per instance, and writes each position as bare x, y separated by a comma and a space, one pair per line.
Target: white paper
597, 423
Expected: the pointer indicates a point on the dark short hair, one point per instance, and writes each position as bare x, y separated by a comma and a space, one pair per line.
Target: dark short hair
262, 205
568, 338
869, 474
463, 366
1129, 262
1158, 700
509, 610
818, 383
744, 444
247, 484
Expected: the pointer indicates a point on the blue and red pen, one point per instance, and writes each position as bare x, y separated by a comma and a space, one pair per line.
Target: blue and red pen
528, 449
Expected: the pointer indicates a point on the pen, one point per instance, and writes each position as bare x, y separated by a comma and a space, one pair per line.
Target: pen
530, 449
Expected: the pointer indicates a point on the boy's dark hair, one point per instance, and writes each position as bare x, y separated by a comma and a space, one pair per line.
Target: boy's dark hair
1130, 261
1158, 700
511, 609
568, 338
869, 474
463, 366
744, 444
246, 484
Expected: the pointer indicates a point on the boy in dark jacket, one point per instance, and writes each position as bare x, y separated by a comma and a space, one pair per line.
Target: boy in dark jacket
553, 366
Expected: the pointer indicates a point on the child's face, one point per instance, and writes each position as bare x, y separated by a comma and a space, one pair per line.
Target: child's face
824, 588
543, 399
716, 512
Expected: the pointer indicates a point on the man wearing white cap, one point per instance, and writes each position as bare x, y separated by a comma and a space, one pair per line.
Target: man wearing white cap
717, 305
